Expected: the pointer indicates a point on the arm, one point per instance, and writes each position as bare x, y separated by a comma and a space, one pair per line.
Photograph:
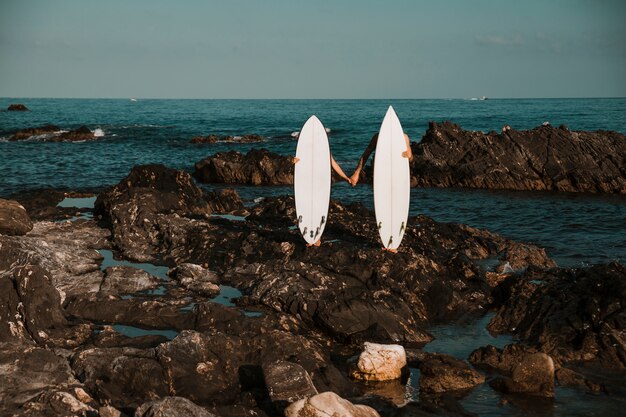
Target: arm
335, 166
366, 154
408, 153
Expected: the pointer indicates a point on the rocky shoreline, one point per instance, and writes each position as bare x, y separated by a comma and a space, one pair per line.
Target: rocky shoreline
541, 159
309, 330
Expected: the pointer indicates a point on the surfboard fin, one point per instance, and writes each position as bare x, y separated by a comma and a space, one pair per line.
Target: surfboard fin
323, 220
380, 225
311, 233
304, 231
401, 227
299, 219
317, 232
390, 241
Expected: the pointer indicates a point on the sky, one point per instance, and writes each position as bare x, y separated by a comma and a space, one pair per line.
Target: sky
312, 49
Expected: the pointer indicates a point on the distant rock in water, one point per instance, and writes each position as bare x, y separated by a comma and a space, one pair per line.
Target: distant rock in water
53, 133
14, 219
34, 131
232, 139
257, 167
543, 158
17, 107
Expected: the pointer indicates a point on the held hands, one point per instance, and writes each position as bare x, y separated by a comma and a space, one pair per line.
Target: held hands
354, 179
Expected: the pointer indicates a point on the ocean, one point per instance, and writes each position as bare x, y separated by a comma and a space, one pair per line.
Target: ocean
576, 229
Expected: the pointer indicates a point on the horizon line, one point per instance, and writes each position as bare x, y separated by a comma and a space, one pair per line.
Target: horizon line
283, 98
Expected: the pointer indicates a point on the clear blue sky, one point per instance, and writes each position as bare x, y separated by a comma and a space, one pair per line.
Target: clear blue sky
313, 49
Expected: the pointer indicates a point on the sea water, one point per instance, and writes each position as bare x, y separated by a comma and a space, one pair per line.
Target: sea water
576, 229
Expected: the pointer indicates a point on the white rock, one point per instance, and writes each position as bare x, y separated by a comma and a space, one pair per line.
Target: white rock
379, 362
328, 404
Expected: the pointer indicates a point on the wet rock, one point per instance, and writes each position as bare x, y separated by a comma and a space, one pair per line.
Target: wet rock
441, 373
287, 382
17, 107
230, 139
256, 167
34, 131
133, 206
570, 314
171, 407
328, 404
503, 360
83, 133
123, 279
533, 375
570, 377
226, 201
26, 372
14, 219
196, 278
108, 411
543, 158
30, 307
379, 363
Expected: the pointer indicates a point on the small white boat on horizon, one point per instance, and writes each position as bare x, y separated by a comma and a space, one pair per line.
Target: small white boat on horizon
133, 99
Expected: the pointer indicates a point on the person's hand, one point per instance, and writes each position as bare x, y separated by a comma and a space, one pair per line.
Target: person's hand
295, 160
405, 154
349, 181
354, 179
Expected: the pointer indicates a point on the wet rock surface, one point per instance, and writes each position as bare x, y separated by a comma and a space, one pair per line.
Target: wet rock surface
258, 166
543, 158
328, 403
570, 314
53, 133
14, 219
379, 362
84, 337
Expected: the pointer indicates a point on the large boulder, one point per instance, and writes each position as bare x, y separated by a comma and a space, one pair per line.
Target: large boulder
328, 404
543, 158
379, 363
442, 373
196, 278
256, 167
14, 219
574, 315
287, 382
132, 208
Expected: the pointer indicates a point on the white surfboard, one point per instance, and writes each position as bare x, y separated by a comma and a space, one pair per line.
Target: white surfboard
311, 181
392, 190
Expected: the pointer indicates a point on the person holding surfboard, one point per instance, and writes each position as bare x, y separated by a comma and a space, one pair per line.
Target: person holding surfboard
354, 178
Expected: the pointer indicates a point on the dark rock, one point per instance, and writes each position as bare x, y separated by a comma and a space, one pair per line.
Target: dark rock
196, 278
570, 377
534, 374
503, 360
30, 307
80, 134
34, 131
256, 167
225, 201
123, 279
14, 219
328, 404
133, 207
17, 107
441, 373
26, 371
544, 158
446, 406
229, 139
171, 407
570, 314
287, 382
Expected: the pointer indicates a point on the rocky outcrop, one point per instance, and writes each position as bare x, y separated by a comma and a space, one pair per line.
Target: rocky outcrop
522, 369
196, 278
133, 207
14, 219
34, 131
328, 404
122, 279
229, 139
52, 133
379, 363
225, 201
544, 158
257, 167
570, 314
17, 107
442, 373
287, 382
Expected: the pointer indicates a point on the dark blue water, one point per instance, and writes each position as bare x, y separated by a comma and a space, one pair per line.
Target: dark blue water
576, 229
